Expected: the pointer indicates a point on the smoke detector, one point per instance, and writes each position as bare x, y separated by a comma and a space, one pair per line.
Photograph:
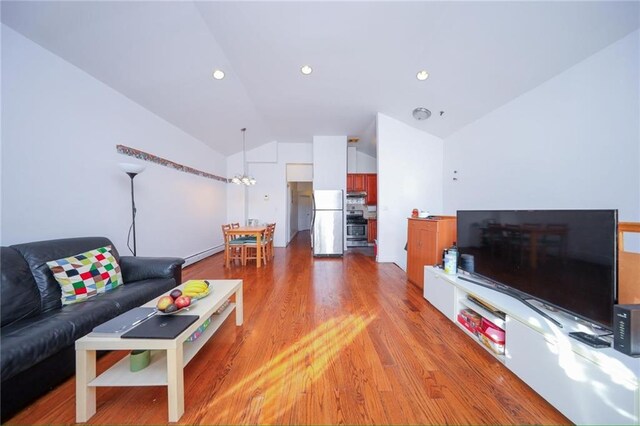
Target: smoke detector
421, 113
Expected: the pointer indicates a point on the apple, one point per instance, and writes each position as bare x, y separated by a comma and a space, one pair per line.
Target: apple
171, 308
176, 293
164, 302
183, 302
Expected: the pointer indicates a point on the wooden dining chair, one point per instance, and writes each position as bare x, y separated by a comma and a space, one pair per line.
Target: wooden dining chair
251, 247
236, 250
272, 231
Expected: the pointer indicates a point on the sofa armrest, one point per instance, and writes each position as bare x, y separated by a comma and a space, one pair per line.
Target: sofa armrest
144, 268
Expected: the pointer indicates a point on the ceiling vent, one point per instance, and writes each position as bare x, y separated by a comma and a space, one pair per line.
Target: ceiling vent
421, 113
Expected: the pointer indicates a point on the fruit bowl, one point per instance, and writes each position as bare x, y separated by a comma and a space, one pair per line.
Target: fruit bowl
186, 308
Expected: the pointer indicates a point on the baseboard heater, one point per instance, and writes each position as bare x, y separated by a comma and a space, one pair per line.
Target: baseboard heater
189, 260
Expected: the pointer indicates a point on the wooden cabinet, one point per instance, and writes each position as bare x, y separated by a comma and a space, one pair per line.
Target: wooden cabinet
359, 182
372, 189
426, 239
372, 230
364, 182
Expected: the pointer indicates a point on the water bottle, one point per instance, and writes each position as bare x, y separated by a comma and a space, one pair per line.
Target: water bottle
451, 260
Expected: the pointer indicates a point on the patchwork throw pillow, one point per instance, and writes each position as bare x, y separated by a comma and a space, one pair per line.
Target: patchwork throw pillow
86, 274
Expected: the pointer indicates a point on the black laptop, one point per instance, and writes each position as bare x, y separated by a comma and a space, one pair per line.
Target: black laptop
161, 327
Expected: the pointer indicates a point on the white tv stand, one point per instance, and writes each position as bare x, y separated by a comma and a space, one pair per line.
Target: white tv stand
588, 385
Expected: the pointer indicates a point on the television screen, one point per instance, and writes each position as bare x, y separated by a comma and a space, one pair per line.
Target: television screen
565, 258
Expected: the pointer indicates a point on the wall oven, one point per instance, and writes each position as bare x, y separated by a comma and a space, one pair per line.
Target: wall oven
356, 229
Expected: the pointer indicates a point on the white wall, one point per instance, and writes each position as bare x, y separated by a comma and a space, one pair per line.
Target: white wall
330, 162
359, 162
571, 143
299, 172
268, 164
365, 163
60, 177
409, 176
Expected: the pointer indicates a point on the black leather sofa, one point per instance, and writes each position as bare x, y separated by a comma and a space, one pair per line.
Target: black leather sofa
38, 334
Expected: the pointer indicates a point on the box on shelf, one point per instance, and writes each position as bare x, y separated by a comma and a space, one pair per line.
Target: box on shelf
491, 336
470, 320
199, 331
222, 307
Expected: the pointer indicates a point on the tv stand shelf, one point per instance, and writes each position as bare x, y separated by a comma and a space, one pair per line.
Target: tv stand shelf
588, 385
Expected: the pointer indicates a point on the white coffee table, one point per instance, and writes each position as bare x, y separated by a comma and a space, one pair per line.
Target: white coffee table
168, 356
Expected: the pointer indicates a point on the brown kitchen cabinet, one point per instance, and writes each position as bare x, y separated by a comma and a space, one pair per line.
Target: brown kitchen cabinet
364, 182
359, 182
372, 230
372, 189
426, 239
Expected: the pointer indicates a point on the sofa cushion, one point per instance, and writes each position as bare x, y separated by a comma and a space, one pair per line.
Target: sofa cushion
37, 255
20, 296
139, 292
86, 274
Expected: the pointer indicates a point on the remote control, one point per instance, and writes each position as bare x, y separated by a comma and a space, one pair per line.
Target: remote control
590, 339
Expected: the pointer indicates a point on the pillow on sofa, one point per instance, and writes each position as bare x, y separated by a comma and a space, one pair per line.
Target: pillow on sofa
86, 274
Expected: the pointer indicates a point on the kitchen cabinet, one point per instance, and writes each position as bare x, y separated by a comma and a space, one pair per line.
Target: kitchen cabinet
426, 239
364, 182
372, 189
350, 182
372, 230
359, 182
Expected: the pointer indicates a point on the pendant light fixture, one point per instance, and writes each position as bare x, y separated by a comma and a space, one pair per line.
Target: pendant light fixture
243, 179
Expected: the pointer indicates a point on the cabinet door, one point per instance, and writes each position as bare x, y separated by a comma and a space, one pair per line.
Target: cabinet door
350, 182
372, 189
413, 253
372, 230
359, 182
429, 243
585, 392
441, 294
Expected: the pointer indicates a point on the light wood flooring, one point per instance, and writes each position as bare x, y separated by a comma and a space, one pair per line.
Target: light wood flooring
324, 341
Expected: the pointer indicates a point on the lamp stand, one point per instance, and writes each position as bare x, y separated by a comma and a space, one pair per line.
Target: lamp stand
133, 212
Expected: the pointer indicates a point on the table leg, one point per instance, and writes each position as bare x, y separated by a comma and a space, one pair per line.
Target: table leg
259, 250
239, 306
175, 385
85, 394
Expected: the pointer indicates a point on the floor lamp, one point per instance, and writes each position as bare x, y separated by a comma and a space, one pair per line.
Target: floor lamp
132, 170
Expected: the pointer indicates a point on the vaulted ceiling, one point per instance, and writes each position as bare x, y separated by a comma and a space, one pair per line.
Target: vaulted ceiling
365, 56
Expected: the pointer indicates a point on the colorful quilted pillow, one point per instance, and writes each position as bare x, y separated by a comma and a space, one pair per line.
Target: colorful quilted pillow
86, 274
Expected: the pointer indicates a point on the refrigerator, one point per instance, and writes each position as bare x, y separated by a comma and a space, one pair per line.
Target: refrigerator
327, 223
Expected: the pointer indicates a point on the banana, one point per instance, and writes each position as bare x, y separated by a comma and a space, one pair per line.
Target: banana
196, 288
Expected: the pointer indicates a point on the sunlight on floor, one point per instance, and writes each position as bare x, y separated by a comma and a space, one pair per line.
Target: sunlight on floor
306, 360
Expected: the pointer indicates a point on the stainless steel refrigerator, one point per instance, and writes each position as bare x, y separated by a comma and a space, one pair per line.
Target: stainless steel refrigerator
327, 223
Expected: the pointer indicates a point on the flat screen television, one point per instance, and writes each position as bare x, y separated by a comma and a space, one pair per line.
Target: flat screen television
564, 258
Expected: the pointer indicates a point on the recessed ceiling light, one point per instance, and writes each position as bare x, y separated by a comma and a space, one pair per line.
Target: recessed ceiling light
306, 69
218, 74
422, 75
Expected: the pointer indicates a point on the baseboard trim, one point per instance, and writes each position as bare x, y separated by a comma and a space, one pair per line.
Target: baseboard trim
190, 260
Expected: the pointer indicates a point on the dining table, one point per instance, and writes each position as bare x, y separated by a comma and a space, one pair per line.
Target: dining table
251, 231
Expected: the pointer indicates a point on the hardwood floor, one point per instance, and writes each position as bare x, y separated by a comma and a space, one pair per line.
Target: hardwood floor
324, 341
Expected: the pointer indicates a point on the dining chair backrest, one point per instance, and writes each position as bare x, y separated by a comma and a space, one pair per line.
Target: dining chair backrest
225, 228
235, 225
